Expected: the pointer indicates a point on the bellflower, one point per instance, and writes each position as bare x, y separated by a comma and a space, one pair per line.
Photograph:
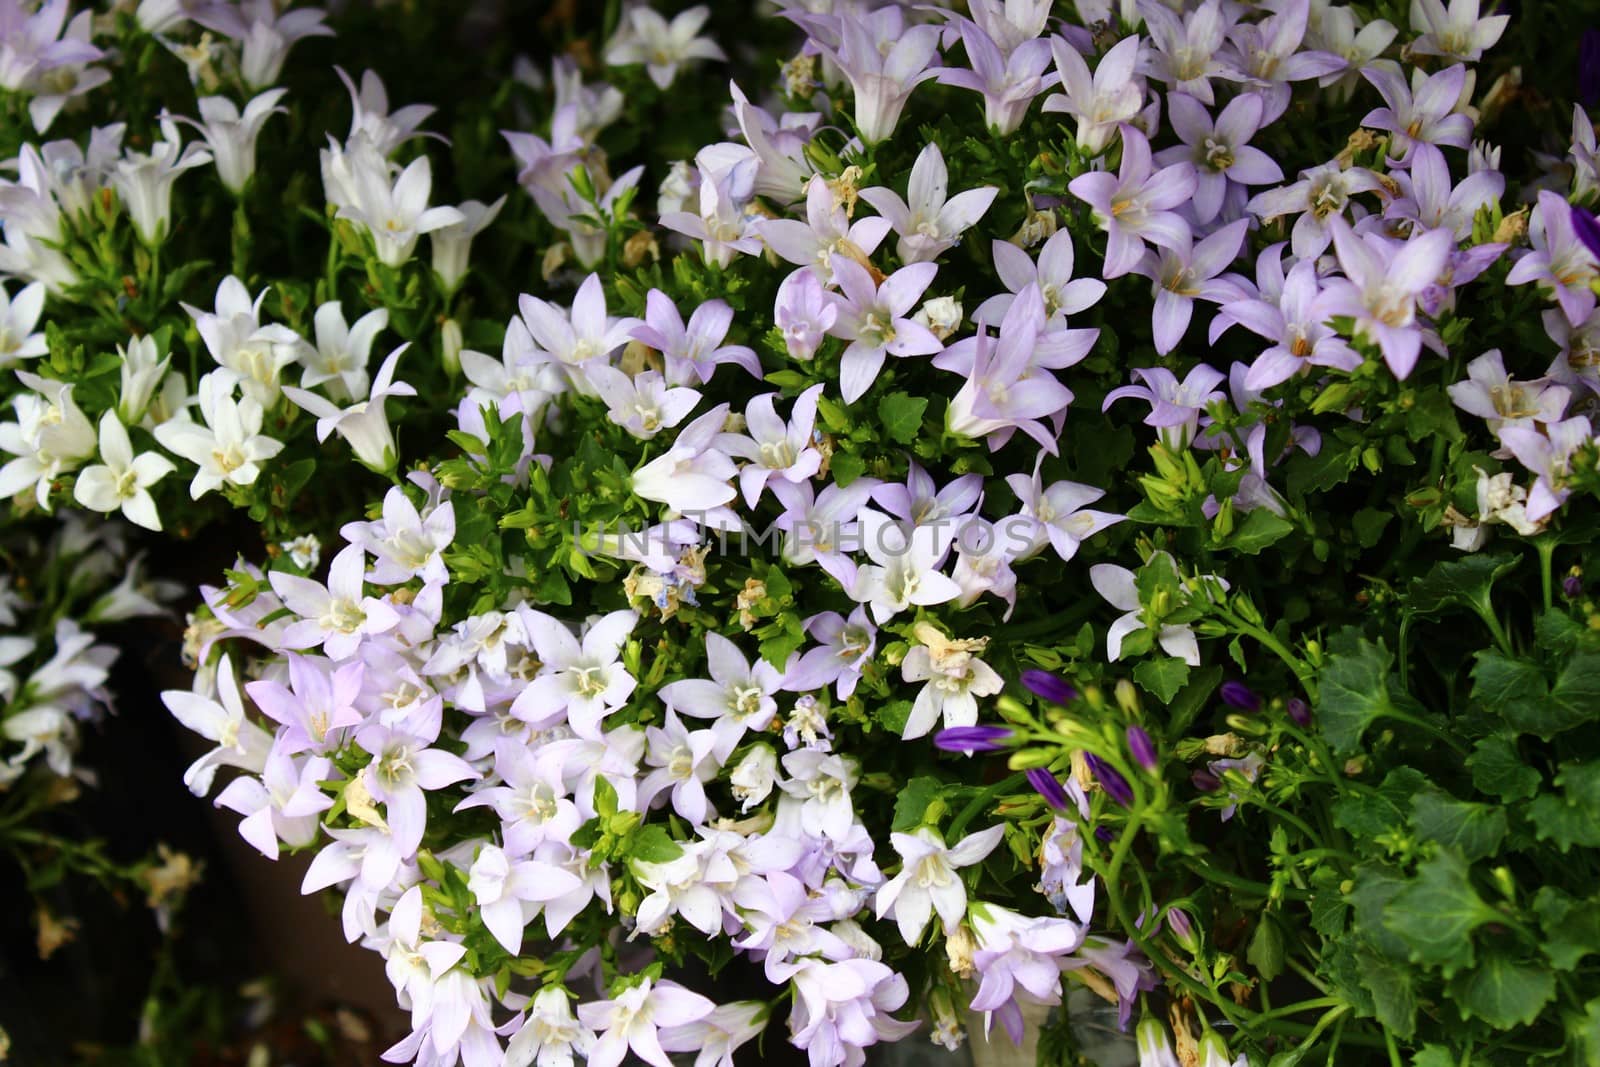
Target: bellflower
1426, 111
122, 481
738, 696
337, 615
1175, 407
317, 706
1296, 324
1060, 514
1383, 279
1016, 955
642, 404
570, 339
144, 182
1009, 82
1135, 205
953, 676
231, 134
339, 360
1456, 32
874, 318
1103, 102
930, 223
631, 1019
18, 316
928, 881
395, 215
551, 1035
827, 231
1269, 54
505, 887
1491, 394
1547, 455
692, 352
364, 424
1063, 294
1224, 161
1559, 261
452, 244
282, 805
805, 312
1185, 47
774, 448
715, 1038
647, 37
238, 340
1119, 589
1321, 194
905, 567
266, 34
581, 680
1189, 272
722, 225
229, 447
883, 73
239, 742
845, 648
693, 475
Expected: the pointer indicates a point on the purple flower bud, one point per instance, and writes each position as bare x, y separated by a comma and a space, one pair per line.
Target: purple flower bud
1240, 696
1572, 587
1299, 712
970, 739
1143, 749
1589, 68
1205, 781
1182, 928
1587, 228
1110, 779
1104, 835
1048, 787
1051, 687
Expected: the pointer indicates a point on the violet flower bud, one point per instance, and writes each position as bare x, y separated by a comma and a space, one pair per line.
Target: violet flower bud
1048, 686
970, 739
1205, 781
1110, 779
1048, 787
1587, 227
1299, 712
1589, 68
1572, 587
1104, 835
1238, 695
1182, 929
1143, 749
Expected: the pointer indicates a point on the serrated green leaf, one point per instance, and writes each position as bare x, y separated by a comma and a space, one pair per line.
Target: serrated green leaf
1503, 990
1436, 913
1259, 530
1394, 1001
1571, 926
846, 468
1162, 678
1499, 770
1475, 829
1464, 583
901, 415
1355, 690
1381, 811
912, 803
652, 844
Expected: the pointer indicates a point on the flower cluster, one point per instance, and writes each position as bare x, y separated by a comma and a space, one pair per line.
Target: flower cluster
1125, 352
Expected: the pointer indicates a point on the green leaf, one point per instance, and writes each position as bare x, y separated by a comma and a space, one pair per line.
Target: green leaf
1573, 817
1259, 529
1462, 583
1266, 949
1434, 1056
1162, 678
1475, 829
1191, 699
1383, 811
1355, 690
1368, 524
652, 844
901, 415
912, 803
1436, 913
1330, 467
1393, 999
1571, 926
846, 468
1498, 769
1503, 990
1518, 691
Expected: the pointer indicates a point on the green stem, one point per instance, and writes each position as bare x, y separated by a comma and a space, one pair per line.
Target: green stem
1547, 549
977, 803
